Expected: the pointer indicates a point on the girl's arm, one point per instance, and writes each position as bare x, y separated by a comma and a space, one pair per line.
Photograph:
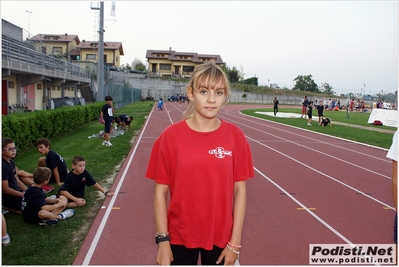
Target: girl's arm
164, 256
240, 201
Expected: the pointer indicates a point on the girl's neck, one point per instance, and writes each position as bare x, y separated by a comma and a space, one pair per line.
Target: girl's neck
203, 125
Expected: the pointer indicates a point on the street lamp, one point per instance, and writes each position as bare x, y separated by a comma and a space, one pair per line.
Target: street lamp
29, 12
364, 89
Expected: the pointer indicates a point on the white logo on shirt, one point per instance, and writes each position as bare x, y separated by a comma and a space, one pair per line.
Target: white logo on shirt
220, 152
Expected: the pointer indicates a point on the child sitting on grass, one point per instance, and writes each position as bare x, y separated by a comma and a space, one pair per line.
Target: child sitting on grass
76, 180
37, 208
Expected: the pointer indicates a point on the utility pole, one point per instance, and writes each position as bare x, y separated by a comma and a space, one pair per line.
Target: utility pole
29, 12
100, 62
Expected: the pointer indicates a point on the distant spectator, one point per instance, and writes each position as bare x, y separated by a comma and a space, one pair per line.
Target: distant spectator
305, 102
160, 104
275, 105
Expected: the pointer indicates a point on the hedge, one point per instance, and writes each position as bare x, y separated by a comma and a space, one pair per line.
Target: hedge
26, 128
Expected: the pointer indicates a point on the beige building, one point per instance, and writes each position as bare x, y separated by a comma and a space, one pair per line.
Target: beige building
55, 44
88, 51
176, 64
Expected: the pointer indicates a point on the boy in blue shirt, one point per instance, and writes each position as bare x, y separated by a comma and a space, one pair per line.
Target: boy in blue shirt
75, 182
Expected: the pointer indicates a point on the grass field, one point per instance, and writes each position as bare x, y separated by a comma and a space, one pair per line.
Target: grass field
46, 245
367, 136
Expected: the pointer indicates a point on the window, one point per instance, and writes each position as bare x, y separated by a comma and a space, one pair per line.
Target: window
165, 66
57, 50
188, 68
44, 50
39, 86
11, 84
91, 56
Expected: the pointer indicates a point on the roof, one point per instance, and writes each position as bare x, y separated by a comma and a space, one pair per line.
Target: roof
179, 56
107, 46
55, 38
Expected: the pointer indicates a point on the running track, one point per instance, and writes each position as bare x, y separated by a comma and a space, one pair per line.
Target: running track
308, 189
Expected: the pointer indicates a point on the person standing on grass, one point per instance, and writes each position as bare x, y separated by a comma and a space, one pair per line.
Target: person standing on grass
275, 106
75, 183
320, 109
393, 155
106, 118
205, 178
310, 110
305, 103
37, 208
53, 161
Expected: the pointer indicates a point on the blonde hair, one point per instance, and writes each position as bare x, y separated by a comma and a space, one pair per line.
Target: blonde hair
207, 75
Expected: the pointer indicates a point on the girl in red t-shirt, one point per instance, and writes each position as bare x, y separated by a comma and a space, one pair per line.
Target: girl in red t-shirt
205, 178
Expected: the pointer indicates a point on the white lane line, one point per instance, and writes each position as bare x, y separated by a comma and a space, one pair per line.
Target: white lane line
330, 144
100, 229
305, 208
317, 151
323, 174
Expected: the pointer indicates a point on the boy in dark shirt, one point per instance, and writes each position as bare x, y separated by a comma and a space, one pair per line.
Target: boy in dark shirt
37, 208
106, 118
53, 161
75, 182
325, 122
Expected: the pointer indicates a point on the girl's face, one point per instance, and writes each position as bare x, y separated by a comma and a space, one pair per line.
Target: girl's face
208, 100
79, 167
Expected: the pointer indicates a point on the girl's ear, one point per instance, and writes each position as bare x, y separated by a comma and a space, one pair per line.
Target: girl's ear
189, 92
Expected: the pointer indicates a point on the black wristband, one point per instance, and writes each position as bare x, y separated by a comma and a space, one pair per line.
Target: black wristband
162, 239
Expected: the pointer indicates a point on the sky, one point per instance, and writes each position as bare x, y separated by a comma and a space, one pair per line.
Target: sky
351, 45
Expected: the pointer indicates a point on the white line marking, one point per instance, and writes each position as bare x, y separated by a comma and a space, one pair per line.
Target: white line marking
100, 229
328, 176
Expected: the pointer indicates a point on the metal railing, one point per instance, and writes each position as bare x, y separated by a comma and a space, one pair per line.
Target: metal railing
19, 52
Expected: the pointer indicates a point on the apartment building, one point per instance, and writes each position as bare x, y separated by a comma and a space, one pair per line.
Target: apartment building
88, 51
170, 63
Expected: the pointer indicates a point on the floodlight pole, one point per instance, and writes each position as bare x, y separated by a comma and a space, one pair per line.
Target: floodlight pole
100, 62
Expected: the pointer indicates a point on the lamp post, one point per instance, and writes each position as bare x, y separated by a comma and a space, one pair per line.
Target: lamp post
29, 12
364, 92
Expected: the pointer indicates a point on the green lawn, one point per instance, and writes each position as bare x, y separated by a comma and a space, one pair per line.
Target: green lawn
370, 137
58, 245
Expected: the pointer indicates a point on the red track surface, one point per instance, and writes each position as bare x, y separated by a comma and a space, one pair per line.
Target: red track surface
343, 188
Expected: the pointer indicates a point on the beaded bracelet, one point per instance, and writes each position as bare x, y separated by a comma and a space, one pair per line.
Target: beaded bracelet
235, 251
234, 246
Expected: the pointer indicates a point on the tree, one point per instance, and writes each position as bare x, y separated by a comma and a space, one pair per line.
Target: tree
125, 67
232, 73
327, 89
305, 83
137, 64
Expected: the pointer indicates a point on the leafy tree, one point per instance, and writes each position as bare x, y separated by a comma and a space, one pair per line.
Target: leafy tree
232, 73
125, 67
253, 80
327, 89
137, 64
305, 83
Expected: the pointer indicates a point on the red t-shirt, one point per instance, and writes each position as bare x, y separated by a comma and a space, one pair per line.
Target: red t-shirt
200, 169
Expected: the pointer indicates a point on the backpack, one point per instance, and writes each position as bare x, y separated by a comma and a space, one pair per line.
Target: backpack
377, 122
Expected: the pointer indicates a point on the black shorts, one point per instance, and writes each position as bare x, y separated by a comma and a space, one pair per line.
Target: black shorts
12, 202
309, 115
189, 256
107, 127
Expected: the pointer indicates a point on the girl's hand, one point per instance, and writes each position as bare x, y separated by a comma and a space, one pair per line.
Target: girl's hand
164, 256
110, 194
229, 257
